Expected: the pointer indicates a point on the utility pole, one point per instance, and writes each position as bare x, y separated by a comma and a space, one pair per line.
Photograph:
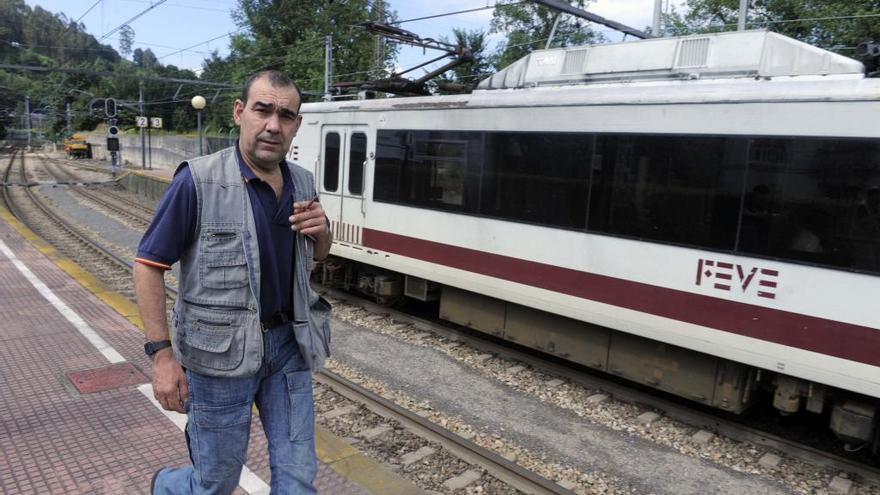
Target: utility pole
69, 129
27, 118
328, 67
553, 30
743, 12
569, 9
141, 109
379, 49
658, 15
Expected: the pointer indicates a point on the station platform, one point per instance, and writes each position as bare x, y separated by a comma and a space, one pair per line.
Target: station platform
77, 414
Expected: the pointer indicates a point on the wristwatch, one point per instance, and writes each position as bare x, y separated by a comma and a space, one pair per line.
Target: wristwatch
151, 348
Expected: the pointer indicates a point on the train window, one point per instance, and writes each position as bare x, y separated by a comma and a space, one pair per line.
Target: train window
435, 169
331, 161
677, 189
537, 178
814, 200
357, 155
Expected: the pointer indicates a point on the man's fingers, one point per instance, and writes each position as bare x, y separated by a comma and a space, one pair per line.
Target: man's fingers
171, 403
306, 217
183, 387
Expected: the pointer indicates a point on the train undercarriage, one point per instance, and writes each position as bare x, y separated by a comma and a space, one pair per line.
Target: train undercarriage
709, 380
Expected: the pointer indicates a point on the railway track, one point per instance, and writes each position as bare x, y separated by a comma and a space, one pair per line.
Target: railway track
649, 399
16, 190
39, 216
110, 267
71, 240
495, 465
124, 208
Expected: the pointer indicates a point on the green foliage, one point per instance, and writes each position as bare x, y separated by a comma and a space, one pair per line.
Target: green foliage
182, 120
126, 38
838, 25
481, 66
527, 27
288, 35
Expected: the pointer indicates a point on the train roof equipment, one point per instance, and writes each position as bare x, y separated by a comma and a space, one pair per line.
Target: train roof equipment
740, 54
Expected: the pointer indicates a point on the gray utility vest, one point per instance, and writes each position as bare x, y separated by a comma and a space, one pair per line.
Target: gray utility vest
216, 317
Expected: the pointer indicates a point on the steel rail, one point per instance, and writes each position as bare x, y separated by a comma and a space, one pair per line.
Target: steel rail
125, 211
504, 470
122, 199
72, 231
7, 200
681, 412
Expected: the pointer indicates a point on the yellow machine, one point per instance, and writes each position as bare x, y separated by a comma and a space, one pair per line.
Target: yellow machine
77, 146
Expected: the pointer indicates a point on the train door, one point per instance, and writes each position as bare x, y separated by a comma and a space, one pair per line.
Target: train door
342, 180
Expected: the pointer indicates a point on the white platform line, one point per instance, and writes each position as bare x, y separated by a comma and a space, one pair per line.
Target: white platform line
103, 347
248, 481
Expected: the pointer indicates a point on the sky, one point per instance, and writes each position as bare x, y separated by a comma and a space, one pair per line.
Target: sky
172, 29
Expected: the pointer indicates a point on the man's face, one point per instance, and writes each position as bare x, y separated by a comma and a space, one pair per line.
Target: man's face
268, 121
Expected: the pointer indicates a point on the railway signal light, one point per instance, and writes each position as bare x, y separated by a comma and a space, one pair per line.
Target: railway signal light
110, 107
112, 138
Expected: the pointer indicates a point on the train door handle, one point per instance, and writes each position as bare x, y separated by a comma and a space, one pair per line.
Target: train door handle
364, 190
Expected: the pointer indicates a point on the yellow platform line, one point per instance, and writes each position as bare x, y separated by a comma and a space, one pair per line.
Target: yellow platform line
344, 459
113, 299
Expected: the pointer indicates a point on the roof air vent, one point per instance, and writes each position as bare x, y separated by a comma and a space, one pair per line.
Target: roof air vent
575, 61
693, 52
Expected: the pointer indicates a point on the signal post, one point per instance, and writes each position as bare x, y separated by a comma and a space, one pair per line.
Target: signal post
112, 135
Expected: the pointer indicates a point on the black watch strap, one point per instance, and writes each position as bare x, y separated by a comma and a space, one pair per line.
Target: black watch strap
151, 348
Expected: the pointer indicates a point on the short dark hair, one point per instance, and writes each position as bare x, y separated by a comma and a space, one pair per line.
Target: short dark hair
276, 78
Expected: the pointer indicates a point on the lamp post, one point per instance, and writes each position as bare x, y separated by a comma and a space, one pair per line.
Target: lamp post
198, 102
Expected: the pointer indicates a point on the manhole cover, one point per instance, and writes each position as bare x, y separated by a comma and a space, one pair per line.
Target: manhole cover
106, 378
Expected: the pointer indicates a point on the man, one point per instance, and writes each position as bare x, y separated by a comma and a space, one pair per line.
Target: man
247, 327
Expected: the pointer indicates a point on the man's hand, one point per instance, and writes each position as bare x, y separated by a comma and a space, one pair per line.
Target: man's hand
309, 218
169, 382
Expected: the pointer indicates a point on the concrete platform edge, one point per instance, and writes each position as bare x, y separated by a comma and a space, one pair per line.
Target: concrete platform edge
344, 459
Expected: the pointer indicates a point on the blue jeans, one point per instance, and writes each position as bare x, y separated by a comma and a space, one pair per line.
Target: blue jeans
219, 419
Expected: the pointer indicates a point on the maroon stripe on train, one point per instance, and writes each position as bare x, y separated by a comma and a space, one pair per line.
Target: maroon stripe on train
843, 340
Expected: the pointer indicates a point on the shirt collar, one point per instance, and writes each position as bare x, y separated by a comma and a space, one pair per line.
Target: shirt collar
249, 174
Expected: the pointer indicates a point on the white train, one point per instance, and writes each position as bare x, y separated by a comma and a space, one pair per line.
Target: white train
701, 214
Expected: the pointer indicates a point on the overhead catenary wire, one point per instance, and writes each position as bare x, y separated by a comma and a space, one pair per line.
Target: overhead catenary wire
126, 23
804, 19
183, 6
202, 43
446, 14
87, 11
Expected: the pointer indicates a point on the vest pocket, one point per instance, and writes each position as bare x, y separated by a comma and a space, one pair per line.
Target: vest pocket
223, 270
213, 339
209, 338
314, 334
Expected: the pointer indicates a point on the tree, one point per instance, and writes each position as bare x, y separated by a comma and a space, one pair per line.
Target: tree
838, 25
126, 39
470, 72
527, 27
288, 35
181, 119
145, 59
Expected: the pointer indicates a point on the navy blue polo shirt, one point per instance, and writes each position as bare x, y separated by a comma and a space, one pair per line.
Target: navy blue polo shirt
173, 230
